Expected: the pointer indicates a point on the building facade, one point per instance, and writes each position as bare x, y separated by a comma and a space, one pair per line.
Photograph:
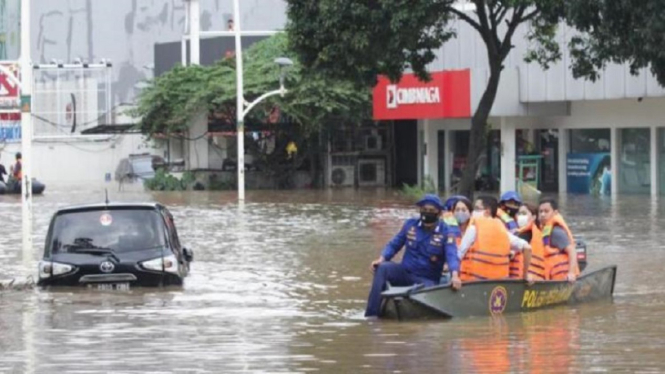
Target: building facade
124, 32
603, 137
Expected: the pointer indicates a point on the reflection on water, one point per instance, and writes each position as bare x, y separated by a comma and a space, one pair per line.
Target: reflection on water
280, 286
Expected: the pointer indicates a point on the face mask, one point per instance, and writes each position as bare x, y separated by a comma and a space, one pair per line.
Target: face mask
429, 218
462, 217
478, 213
522, 220
512, 211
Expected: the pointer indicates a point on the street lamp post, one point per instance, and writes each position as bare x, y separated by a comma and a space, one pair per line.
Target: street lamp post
26, 132
283, 62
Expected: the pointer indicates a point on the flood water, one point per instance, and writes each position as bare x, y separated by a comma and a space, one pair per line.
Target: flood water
280, 286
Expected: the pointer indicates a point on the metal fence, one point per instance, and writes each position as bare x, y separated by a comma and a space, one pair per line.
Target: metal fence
69, 99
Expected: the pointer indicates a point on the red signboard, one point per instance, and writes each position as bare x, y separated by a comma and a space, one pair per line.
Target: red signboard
447, 95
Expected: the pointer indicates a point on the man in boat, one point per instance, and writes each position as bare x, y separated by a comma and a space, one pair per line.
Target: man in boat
508, 206
559, 245
430, 243
486, 246
17, 169
3, 172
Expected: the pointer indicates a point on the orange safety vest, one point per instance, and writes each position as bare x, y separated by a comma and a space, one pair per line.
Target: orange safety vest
556, 260
489, 256
18, 171
537, 268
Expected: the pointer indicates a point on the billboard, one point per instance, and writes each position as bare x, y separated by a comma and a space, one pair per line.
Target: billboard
589, 173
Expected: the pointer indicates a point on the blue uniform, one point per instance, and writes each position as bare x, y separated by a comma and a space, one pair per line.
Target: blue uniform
425, 254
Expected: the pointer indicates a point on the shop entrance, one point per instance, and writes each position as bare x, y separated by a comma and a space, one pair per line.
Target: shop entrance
548, 147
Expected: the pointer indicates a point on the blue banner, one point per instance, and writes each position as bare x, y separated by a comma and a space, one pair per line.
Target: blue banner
589, 173
10, 132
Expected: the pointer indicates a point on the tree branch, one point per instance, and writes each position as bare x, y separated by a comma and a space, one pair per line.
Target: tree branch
461, 15
506, 45
489, 34
530, 16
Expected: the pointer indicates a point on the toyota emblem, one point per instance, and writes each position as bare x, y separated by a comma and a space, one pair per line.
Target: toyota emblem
106, 266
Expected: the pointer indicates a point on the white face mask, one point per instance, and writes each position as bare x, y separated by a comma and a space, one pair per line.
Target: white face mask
478, 213
522, 220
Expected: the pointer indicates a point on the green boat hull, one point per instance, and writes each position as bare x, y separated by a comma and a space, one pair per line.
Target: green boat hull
485, 298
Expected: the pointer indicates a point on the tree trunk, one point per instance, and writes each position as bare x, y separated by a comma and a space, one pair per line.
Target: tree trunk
477, 139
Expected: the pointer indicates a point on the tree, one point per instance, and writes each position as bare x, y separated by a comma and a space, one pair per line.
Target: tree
619, 31
360, 39
168, 105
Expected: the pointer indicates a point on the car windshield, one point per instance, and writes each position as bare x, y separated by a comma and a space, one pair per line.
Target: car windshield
142, 166
116, 231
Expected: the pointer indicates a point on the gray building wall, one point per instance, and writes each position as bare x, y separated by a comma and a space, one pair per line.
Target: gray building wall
126, 31
527, 89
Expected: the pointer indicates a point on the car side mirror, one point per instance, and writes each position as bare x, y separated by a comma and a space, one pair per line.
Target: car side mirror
187, 253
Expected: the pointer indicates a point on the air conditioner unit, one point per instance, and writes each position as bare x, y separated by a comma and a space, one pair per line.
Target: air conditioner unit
342, 176
371, 173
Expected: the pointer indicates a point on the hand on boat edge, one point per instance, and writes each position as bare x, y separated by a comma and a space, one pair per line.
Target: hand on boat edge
456, 282
572, 277
529, 279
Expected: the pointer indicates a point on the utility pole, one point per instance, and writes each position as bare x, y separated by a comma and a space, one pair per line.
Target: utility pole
26, 132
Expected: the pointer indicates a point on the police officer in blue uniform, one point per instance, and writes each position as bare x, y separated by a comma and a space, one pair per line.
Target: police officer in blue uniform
430, 243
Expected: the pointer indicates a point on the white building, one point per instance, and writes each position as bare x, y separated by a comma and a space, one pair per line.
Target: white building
593, 137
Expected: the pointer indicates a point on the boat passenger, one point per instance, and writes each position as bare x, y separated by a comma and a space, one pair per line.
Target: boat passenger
17, 170
3, 172
559, 245
429, 242
529, 231
486, 246
508, 206
462, 211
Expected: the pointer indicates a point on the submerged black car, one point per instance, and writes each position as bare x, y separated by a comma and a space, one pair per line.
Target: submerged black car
111, 246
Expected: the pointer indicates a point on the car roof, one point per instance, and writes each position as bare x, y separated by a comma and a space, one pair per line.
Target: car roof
103, 206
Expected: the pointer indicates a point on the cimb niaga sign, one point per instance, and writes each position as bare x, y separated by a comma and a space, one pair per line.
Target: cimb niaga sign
447, 95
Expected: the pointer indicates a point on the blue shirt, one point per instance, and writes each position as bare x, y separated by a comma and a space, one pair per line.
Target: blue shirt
426, 250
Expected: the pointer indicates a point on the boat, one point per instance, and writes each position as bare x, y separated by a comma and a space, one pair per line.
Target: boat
13, 187
494, 297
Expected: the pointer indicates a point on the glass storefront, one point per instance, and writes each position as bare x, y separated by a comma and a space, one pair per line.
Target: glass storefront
634, 161
588, 166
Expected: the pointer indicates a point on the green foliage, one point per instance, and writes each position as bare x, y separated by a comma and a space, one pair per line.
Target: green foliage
617, 31
359, 39
163, 181
416, 192
312, 99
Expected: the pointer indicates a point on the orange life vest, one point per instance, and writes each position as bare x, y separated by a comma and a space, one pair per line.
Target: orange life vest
18, 170
537, 268
556, 260
489, 256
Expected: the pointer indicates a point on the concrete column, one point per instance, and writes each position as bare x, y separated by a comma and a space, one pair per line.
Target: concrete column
448, 168
654, 161
508, 149
614, 151
432, 148
564, 141
195, 32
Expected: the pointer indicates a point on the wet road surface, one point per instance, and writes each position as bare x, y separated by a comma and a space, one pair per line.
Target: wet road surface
280, 286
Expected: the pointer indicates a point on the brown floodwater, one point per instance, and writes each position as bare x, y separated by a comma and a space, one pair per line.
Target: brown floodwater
280, 285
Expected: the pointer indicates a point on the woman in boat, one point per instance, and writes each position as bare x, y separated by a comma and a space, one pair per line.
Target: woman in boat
486, 246
462, 212
559, 245
529, 231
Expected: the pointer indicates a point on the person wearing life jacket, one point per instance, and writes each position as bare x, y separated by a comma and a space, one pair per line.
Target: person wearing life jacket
558, 242
529, 231
509, 204
17, 169
429, 243
486, 245
462, 211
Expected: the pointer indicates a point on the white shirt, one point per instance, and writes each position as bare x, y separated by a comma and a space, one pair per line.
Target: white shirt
516, 244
